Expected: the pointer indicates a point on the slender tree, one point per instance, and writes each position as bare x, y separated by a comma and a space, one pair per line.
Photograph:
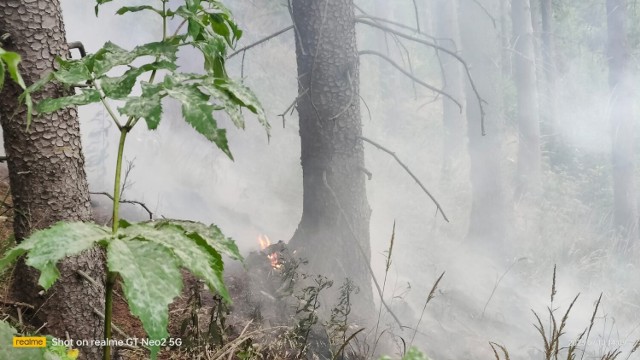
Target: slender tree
481, 44
622, 119
47, 176
529, 155
548, 90
333, 233
446, 24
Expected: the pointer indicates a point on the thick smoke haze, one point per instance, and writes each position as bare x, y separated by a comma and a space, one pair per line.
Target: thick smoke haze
486, 294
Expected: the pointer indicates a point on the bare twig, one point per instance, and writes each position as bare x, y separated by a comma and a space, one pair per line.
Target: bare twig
481, 101
415, 9
290, 107
407, 74
123, 201
17, 304
406, 168
495, 287
263, 40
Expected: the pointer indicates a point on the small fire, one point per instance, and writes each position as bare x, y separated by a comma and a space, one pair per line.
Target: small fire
273, 257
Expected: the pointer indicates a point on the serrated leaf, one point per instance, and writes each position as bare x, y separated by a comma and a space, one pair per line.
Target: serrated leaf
151, 280
48, 246
126, 9
230, 105
87, 96
72, 72
193, 255
147, 108
245, 97
200, 116
121, 86
211, 233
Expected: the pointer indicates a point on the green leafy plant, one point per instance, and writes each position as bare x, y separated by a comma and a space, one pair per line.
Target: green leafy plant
148, 256
50, 352
9, 63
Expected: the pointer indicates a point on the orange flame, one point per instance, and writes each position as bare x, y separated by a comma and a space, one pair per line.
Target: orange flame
273, 257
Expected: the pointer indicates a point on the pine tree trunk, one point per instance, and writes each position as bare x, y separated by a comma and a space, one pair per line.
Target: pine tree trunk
334, 230
47, 176
622, 119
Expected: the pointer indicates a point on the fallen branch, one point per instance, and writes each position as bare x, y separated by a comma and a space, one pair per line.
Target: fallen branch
276, 34
444, 50
406, 168
123, 201
407, 74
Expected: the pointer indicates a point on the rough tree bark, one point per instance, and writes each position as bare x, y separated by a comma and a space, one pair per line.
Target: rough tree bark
333, 233
622, 119
47, 176
446, 24
480, 46
529, 156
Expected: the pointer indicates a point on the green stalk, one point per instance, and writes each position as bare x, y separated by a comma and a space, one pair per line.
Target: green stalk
111, 276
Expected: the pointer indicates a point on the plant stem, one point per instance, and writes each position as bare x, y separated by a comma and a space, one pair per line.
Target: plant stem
111, 276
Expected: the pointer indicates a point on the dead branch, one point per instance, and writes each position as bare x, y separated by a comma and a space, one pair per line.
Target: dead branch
415, 9
290, 107
17, 304
406, 168
263, 40
357, 241
407, 74
123, 201
481, 101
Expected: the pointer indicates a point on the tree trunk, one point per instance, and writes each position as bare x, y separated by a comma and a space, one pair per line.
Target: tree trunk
528, 176
446, 24
480, 46
47, 176
333, 233
548, 98
622, 119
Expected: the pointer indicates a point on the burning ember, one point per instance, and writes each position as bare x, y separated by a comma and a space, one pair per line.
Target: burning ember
265, 243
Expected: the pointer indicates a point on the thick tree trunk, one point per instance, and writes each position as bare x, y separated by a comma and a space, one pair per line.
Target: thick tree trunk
622, 119
446, 24
480, 46
528, 176
334, 230
548, 93
47, 176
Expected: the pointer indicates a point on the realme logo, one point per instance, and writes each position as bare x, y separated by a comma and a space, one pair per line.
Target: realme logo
29, 341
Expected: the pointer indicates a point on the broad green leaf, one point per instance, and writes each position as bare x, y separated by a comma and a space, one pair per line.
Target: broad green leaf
12, 60
87, 96
147, 108
193, 255
151, 280
36, 86
211, 233
126, 9
47, 247
72, 72
112, 55
7, 351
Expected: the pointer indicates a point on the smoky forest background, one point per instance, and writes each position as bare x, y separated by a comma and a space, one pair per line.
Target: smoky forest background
453, 176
